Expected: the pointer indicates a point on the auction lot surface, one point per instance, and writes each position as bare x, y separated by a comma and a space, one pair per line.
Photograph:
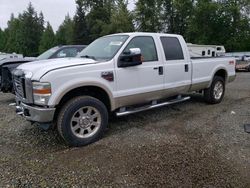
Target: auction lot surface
186, 145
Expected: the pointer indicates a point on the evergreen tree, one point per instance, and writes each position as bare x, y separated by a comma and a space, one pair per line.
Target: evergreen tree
181, 16
80, 26
2, 40
236, 13
121, 19
31, 31
204, 20
64, 34
40, 23
148, 15
168, 16
99, 16
13, 41
224, 22
48, 39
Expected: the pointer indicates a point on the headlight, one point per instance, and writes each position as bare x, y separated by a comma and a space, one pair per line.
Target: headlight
41, 92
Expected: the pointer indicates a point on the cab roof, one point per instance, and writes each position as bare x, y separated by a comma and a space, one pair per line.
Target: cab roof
146, 34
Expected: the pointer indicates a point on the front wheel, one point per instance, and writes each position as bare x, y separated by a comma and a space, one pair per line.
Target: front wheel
82, 121
215, 93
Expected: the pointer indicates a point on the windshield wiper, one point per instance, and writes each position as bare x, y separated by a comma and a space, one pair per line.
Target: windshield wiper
89, 57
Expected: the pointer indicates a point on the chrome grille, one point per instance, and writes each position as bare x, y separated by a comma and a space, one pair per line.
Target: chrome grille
19, 86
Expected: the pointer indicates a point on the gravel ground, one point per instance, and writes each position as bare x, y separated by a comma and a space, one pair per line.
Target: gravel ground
191, 144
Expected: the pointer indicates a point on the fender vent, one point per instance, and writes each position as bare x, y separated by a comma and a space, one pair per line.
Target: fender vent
109, 76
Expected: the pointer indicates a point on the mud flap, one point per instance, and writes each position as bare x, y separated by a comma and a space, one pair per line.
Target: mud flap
44, 126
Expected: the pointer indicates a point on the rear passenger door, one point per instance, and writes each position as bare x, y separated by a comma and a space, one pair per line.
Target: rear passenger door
177, 67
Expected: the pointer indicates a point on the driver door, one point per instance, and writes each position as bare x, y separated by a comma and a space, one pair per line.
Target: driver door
142, 83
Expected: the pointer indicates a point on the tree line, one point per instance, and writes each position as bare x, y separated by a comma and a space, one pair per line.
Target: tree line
222, 22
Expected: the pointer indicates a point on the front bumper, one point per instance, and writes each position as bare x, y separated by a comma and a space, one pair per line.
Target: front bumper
35, 114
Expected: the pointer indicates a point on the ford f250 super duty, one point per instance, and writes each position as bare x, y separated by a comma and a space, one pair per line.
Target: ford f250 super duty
117, 74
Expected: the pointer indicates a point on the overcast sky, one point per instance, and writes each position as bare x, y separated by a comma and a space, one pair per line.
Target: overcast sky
54, 10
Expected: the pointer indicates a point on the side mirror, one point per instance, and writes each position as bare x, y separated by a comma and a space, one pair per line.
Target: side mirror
133, 57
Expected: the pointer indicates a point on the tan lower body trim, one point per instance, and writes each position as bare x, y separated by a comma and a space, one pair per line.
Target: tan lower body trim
199, 86
148, 97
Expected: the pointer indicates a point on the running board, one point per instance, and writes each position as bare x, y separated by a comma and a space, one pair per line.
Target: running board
124, 112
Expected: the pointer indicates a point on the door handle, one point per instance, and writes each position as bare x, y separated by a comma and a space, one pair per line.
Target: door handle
160, 70
186, 68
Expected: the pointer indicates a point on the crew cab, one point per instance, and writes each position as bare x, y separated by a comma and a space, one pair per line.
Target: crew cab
118, 74
7, 65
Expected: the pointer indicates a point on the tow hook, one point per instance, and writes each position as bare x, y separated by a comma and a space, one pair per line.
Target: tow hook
19, 110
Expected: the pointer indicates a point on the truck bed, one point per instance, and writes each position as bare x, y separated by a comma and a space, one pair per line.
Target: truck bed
203, 69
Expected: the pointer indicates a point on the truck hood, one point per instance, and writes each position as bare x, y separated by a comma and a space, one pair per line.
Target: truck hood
39, 68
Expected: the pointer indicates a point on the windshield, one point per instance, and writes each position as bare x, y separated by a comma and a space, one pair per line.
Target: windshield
104, 48
48, 53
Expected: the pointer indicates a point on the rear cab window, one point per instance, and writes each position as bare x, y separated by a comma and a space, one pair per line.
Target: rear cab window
172, 48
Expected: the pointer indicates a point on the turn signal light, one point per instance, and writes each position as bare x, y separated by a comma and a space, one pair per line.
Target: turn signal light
43, 91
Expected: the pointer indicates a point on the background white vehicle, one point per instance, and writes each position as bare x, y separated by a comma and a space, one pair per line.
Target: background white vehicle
246, 58
9, 56
122, 74
197, 50
239, 56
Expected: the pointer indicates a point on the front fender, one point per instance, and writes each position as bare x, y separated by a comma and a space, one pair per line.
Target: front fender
59, 92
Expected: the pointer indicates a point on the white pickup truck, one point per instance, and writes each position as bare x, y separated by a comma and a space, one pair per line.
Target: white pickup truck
117, 74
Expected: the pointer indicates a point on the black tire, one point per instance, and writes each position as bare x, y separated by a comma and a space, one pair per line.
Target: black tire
70, 110
210, 93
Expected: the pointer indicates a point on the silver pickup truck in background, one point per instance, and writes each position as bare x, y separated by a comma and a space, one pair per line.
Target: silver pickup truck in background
7, 64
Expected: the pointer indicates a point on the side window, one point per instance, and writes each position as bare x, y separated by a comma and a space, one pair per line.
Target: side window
172, 48
79, 50
147, 46
67, 52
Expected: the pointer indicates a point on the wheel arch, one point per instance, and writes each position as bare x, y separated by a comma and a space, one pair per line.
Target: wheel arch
222, 72
92, 90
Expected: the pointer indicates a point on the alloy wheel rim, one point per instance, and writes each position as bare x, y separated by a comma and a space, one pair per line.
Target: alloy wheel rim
218, 90
85, 122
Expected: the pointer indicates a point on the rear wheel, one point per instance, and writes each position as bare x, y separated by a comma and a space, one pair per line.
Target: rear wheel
215, 93
83, 120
